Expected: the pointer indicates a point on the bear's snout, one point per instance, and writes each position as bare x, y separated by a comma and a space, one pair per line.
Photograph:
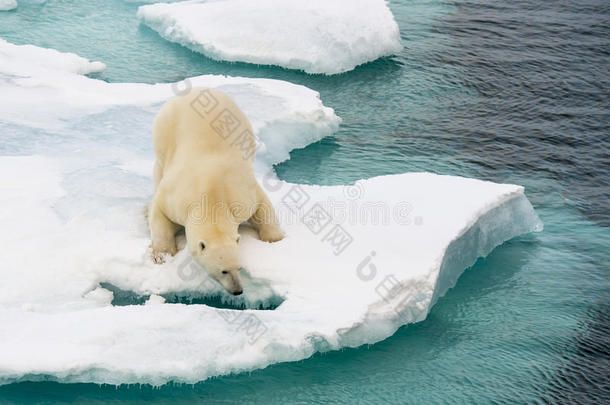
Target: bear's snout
238, 292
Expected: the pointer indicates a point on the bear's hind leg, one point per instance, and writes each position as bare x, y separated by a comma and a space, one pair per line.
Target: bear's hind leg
264, 219
163, 234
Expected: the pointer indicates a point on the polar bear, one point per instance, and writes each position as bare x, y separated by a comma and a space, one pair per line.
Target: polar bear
204, 182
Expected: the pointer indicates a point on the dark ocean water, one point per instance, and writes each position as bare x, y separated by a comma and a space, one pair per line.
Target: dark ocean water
541, 71
506, 91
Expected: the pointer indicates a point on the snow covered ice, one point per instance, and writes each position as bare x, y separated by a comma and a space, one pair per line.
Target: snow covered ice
40, 88
358, 261
6, 5
317, 36
28, 59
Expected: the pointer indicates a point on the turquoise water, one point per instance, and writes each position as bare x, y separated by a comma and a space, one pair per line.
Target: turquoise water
511, 93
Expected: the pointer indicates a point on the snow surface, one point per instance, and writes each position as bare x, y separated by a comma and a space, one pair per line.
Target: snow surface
6, 5
72, 207
317, 36
25, 59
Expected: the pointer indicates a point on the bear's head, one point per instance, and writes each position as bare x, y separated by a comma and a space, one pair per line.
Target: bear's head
220, 258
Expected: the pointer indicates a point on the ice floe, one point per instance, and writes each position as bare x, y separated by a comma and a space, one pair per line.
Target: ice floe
28, 59
317, 36
6, 5
358, 261
43, 88
353, 268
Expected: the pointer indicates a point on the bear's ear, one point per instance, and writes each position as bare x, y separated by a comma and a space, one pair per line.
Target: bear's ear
201, 246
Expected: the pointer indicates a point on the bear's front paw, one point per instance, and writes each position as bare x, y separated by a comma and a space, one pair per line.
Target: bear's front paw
270, 235
158, 257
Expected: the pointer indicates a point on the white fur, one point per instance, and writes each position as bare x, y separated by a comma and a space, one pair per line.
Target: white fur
204, 182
